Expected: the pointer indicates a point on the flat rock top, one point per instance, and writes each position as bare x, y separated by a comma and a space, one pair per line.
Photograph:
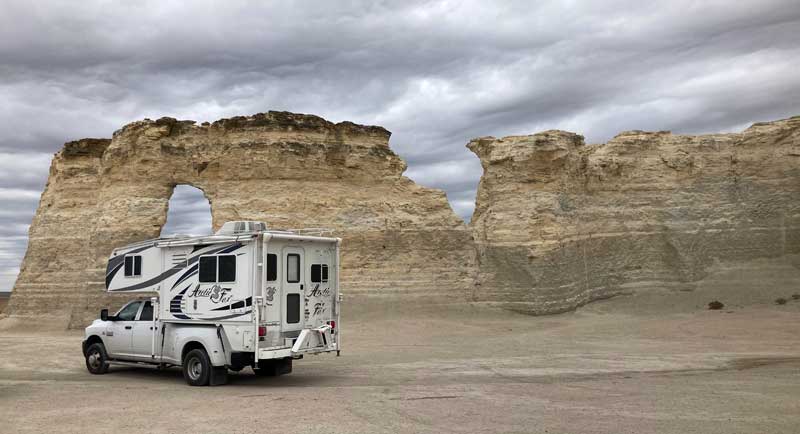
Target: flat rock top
269, 122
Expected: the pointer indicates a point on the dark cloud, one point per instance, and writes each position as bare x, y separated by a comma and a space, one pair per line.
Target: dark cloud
434, 73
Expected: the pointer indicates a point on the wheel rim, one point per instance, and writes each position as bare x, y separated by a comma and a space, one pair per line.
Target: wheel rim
195, 368
94, 359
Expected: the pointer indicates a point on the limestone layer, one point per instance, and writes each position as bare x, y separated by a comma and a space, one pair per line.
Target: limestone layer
558, 223
289, 170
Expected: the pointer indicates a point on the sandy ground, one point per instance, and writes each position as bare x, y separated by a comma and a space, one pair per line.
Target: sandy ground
461, 368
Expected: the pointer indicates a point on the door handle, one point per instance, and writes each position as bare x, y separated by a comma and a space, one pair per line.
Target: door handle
301, 286
127, 327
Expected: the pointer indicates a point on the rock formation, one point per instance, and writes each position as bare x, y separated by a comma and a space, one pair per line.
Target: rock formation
558, 223
286, 169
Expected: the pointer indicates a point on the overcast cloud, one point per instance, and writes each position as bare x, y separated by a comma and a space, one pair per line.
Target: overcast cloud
436, 74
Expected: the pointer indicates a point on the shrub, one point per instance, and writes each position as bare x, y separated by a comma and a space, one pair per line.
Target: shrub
715, 305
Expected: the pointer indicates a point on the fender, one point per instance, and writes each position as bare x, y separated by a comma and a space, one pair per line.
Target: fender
206, 336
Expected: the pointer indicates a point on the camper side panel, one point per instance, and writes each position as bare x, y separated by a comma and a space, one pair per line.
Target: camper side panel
214, 283
136, 269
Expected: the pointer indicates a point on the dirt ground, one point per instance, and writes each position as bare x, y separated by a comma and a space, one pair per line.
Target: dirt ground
458, 368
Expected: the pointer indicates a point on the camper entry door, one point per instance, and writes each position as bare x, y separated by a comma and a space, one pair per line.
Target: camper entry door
293, 286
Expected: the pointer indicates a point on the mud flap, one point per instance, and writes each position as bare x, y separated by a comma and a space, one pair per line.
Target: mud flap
274, 368
313, 339
219, 376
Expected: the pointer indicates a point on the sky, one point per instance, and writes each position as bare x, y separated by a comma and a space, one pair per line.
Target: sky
434, 73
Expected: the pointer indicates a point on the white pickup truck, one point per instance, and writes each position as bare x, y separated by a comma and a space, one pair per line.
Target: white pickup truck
243, 297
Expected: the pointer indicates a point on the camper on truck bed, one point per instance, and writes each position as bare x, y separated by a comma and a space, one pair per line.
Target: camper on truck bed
245, 296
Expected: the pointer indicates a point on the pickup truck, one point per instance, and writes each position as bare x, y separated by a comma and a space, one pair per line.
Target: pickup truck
126, 339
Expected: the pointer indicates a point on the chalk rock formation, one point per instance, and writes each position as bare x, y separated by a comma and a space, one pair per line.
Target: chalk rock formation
558, 223
289, 170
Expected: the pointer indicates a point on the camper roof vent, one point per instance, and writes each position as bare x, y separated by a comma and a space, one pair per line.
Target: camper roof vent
241, 227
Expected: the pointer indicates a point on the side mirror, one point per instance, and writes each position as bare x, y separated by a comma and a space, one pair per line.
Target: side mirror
104, 315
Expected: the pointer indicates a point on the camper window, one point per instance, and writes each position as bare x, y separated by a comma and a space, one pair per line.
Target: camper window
316, 273
217, 268
272, 267
208, 269
227, 268
133, 266
319, 273
292, 268
292, 308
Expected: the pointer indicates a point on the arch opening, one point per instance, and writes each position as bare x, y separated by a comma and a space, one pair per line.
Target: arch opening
188, 212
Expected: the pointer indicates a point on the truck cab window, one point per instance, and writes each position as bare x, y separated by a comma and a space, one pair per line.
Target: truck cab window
128, 313
272, 267
147, 312
133, 266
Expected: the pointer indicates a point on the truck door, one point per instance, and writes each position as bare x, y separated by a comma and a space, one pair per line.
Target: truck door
119, 333
293, 286
142, 346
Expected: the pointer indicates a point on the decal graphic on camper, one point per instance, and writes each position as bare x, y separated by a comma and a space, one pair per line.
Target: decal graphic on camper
176, 305
216, 293
319, 308
115, 264
270, 295
316, 292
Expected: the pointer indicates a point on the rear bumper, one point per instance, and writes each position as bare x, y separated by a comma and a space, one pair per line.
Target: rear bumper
284, 352
310, 341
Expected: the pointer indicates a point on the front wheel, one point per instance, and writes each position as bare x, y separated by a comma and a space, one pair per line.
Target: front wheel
197, 367
96, 359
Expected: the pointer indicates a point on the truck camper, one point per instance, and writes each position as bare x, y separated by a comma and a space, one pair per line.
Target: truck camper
244, 296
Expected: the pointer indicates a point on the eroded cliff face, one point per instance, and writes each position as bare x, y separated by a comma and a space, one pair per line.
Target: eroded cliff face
53, 272
558, 223
289, 170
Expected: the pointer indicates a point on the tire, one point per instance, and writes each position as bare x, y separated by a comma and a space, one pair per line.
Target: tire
97, 359
197, 367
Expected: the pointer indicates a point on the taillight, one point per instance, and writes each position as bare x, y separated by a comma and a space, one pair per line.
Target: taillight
262, 331
332, 324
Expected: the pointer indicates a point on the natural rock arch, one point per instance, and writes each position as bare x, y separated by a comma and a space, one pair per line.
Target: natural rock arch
285, 169
181, 212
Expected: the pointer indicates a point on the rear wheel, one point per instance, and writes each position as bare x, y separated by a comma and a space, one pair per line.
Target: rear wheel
96, 359
196, 367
